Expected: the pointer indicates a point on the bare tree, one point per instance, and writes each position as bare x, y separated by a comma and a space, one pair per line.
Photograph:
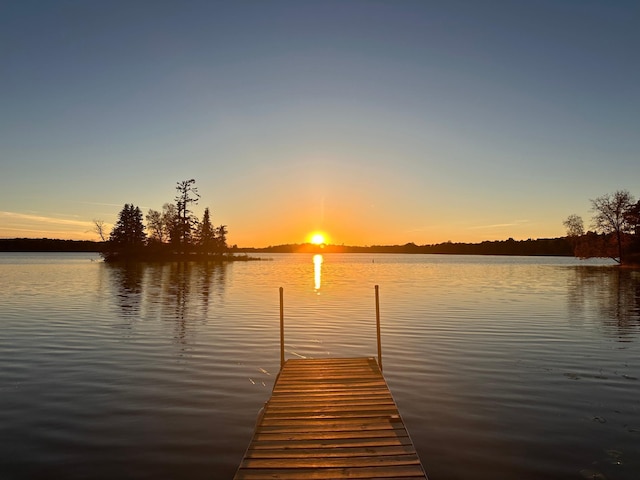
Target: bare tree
155, 225
611, 217
575, 233
170, 222
574, 225
100, 228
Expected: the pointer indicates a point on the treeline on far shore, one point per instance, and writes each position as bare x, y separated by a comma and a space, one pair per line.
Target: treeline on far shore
48, 245
530, 247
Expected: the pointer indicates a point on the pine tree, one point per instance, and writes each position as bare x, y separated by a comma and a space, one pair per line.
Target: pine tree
185, 221
129, 230
221, 237
206, 233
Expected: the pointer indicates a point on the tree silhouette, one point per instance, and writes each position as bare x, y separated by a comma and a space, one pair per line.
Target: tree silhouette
221, 237
174, 232
155, 226
100, 228
574, 225
128, 231
185, 220
206, 233
575, 232
633, 222
611, 217
170, 223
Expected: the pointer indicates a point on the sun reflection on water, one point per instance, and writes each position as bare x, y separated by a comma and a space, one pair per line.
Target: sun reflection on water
317, 272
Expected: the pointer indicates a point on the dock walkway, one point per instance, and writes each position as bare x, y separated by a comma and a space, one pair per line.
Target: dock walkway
330, 419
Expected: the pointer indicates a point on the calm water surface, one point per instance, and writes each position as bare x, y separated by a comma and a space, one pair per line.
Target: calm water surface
502, 367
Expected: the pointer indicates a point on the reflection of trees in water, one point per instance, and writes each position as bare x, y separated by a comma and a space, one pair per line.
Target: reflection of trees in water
186, 295
613, 293
189, 287
127, 278
212, 278
178, 291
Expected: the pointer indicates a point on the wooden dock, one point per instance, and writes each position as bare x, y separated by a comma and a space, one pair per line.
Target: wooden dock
330, 419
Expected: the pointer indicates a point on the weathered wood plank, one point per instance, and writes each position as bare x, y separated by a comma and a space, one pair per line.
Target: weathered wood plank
342, 425
329, 452
335, 443
324, 462
412, 471
329, 436
374, 398
330, 419
318, 395
318, 426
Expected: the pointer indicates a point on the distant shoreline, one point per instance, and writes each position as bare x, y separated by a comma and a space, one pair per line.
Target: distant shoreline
48, 245
530, 247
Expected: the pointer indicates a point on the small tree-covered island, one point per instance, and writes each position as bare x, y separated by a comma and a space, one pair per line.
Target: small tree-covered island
171, 234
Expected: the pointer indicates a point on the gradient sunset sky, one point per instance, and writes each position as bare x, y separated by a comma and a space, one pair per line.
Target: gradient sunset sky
379, 122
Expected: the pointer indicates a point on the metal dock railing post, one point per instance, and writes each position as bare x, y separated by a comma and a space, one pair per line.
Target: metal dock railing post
377, 289
378, 328
323, 405
281, 328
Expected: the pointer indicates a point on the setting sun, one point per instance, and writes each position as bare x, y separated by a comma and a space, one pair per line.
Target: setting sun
318, 238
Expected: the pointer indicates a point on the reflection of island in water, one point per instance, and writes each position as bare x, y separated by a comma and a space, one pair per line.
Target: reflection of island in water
613, 293
182, 292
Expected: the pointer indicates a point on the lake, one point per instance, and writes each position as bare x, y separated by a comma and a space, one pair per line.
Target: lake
502, 367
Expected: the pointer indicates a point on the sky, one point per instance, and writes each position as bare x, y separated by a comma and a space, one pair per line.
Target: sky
377, 122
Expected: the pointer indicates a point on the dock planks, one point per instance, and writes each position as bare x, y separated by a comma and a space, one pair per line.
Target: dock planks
330, 419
